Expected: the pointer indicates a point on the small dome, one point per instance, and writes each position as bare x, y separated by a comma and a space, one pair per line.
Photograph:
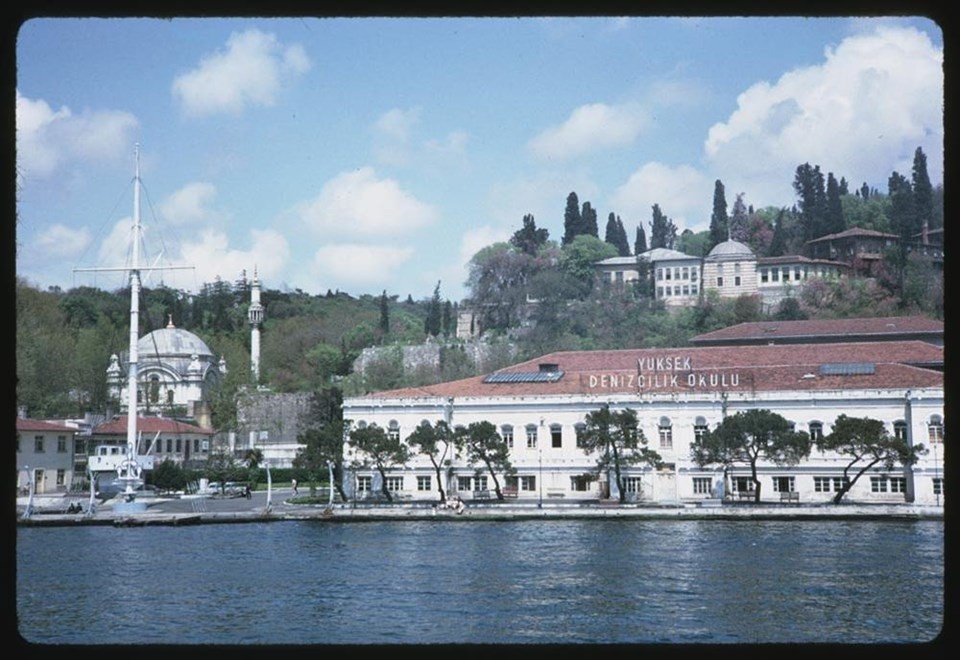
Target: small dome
172, 341
731, 249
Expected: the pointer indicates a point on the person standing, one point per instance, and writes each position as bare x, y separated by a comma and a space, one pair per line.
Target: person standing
295, 491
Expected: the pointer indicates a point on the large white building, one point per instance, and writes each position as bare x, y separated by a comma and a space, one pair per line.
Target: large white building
731, 269
538, 405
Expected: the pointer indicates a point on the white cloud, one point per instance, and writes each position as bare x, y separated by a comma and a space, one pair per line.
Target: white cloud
192, 205
590, 128
251, 71
212, 257
859, 114
359, 204
47, 139
60, 241
683, 193
353, 264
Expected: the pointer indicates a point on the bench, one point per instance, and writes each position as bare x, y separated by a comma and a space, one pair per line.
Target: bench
552, 492
481, 494
790, 496
745, 494
510, 491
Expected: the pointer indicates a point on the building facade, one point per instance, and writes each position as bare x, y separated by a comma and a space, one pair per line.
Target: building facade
45, 452
538, 406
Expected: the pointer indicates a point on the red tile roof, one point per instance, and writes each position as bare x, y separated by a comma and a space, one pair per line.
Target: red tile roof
40, 425
733, 368
118, 426
861, 327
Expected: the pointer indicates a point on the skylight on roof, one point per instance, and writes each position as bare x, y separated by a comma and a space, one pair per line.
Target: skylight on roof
847, 368
524, 377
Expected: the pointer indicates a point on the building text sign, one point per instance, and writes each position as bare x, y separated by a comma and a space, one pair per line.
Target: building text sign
668, 372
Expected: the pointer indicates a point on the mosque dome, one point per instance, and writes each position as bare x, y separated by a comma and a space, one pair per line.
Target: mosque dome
173, 342
731, 250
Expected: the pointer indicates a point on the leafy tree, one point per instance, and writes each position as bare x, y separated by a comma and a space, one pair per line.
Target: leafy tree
695, 244
321, 440
719, 223
221, 466
168, 475
572, 222
435, 442
866, 443
381, 450
497, 281
748, 436
529, 239
481, 444
618, 442
789, 309
578, 258
663, 233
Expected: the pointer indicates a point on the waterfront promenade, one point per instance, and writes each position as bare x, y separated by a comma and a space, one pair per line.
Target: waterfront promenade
203, 509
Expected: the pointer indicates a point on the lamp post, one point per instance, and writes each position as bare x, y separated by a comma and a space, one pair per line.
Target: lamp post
330, 484
29, 509
540, 478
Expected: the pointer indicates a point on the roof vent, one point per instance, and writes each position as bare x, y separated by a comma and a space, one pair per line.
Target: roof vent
549, 367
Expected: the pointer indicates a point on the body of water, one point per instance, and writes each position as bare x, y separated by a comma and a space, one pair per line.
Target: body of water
444, 582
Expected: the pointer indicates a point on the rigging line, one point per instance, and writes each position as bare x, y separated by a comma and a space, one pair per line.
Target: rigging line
101, 233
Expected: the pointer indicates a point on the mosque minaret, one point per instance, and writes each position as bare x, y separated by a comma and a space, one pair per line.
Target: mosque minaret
255, 316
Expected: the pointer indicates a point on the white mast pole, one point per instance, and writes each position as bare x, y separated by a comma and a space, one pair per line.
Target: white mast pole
131, 471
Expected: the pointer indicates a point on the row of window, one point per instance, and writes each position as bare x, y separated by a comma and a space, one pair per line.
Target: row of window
198, 445
665, 432
799, 273
679, 273
634, 485
678, 290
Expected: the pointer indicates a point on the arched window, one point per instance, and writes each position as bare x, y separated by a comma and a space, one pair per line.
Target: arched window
393, 431
154, 389
816, 431
666, 433
506, 432
579, 428
900, 430
935, 428
556, 436
531, 436
170, 397
699, 428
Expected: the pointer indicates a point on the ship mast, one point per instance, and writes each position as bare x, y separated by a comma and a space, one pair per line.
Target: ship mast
129, 470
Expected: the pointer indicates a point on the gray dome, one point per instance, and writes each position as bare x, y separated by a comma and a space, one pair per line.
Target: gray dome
173, 342
731, 249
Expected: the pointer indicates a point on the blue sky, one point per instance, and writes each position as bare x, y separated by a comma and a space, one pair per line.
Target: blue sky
372, 154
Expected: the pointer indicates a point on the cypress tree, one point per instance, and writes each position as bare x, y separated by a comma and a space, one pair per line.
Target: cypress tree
572, 225
922, 191
719, 222
834, 218
588, 220
640, 244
